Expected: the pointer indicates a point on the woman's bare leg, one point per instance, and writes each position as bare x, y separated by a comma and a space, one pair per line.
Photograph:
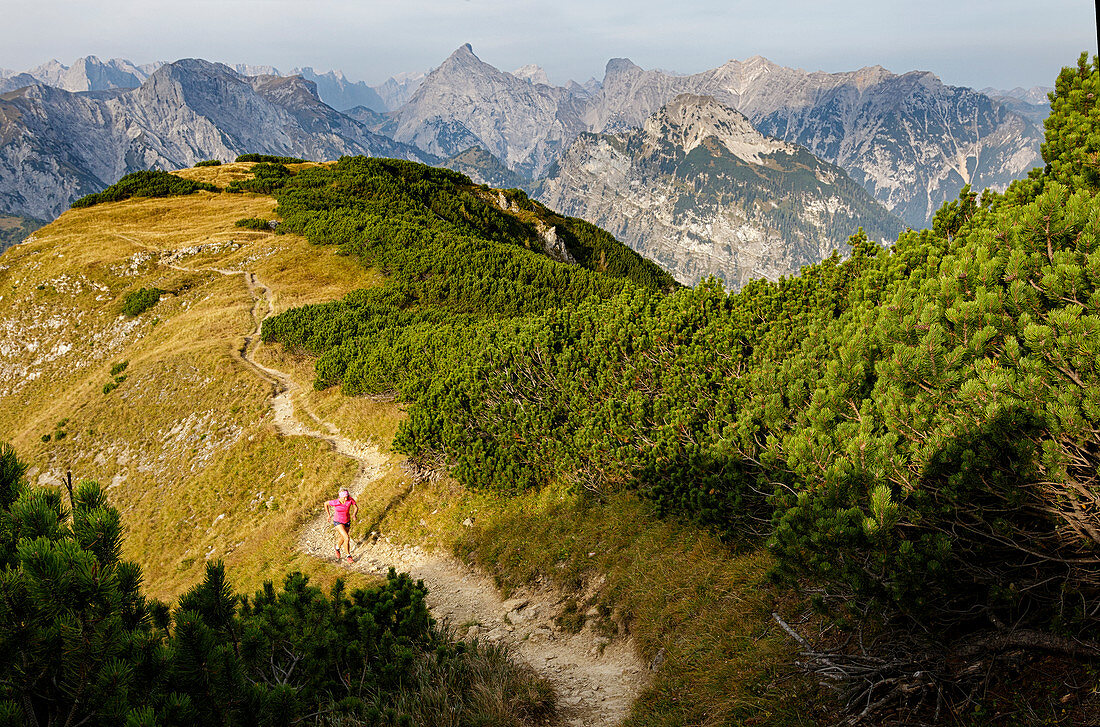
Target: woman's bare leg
342, 534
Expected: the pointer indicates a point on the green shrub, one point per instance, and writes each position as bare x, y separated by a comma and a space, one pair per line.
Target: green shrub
145, 184
266, 179
913, 423
138, 301
110, 386
254, 223
119, 367
209, 163
269, 158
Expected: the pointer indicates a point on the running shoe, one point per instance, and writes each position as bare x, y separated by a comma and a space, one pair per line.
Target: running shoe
350, 559
338, 556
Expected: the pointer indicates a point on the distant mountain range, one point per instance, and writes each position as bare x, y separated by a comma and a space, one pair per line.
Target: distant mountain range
1036, 95
907, 140
85, 74
910, 140
701, 192
333, 87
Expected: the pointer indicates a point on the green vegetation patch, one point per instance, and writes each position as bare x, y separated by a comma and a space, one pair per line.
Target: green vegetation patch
209, 163
254, 223
153, 183
912, 432
138, 301
266, 178
270, 158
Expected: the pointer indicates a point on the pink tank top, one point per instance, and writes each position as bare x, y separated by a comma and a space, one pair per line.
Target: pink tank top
342, 509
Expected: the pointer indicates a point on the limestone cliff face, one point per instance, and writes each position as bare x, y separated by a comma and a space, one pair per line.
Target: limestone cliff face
701, 192
56, 145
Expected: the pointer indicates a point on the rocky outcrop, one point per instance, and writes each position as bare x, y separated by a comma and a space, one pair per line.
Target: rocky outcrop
56, 146
701, 192
553, 245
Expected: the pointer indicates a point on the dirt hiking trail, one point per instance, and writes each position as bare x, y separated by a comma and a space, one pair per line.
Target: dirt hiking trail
596, 679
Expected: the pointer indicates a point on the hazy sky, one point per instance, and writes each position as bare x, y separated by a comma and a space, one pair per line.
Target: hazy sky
1005, 43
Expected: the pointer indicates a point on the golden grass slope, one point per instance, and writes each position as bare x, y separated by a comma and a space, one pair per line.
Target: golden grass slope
185, 444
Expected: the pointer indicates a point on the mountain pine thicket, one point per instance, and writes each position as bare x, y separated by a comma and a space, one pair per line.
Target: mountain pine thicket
914, 431
152, 183
460, 269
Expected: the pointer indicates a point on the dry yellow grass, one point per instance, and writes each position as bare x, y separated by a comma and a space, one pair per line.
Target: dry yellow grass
185, 444
223, 174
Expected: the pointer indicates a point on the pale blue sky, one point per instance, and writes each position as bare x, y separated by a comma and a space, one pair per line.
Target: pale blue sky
966, 42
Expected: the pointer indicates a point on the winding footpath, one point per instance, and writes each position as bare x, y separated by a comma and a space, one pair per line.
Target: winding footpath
596, 679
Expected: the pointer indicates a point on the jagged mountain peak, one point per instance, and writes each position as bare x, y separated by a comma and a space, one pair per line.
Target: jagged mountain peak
690, 119
51, 66
757, 61
620, 66
462, 54
468, 102
462, 64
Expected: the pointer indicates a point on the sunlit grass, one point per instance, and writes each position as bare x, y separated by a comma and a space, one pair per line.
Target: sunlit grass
185, 443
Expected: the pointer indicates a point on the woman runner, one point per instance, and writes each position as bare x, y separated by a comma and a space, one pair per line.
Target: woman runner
343, 514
